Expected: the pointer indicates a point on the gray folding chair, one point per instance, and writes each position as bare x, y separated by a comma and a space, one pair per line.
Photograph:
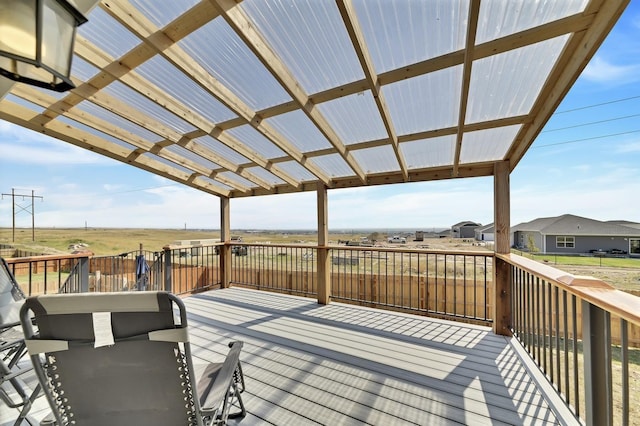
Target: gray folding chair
123, 359
13, 391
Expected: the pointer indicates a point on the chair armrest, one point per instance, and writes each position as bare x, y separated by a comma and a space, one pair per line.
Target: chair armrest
213, 386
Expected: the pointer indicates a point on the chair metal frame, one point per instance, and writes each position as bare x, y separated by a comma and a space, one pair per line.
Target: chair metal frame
70, 329
13, 347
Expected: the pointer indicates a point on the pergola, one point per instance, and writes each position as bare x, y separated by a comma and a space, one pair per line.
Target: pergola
255, 98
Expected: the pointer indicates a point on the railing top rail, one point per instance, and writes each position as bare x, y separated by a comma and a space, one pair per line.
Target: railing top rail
593, 290
189, 246
484, 253
41, 258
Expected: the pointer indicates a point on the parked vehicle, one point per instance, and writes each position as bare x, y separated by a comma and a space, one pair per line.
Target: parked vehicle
397, 239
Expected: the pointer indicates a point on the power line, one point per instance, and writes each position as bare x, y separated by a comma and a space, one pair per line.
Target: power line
597, 105
586, 139
590, 123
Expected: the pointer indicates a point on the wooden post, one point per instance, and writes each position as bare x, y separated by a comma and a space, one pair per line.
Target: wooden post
225, 237
324, 270
596, 337
501, 270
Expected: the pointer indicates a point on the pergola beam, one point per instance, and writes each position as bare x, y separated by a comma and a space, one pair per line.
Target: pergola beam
472, 26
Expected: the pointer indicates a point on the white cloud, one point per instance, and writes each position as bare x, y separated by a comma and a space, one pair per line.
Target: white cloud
603, 72
629, 147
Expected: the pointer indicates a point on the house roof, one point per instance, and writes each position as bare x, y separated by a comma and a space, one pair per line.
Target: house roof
466, 223
250, 98
569, 224
486, 228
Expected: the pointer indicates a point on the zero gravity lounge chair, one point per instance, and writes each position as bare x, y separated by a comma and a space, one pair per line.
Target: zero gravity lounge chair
13, 391
121, 359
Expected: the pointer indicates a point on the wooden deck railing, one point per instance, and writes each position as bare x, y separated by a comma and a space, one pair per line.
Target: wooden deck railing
578, 330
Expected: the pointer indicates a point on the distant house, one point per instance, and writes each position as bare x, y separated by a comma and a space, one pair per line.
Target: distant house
575, 234
485, 233
464, 229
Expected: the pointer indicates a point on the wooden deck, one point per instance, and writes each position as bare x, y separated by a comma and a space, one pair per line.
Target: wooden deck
339, 364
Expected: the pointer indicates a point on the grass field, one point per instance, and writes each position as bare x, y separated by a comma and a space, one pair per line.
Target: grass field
623, 273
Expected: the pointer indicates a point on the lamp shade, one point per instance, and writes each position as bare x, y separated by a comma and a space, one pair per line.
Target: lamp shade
36, 41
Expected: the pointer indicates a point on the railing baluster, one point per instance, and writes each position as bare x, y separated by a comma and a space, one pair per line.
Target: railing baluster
624, 360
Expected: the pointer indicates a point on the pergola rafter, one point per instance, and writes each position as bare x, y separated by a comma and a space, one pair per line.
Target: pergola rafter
399, 151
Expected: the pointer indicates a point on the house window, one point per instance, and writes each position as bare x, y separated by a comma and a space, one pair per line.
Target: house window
634, 246
565, 242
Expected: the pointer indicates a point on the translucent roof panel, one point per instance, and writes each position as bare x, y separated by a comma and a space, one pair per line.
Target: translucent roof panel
223, 54
107, 33
333, 165
295, 170
238, 179
377, 160
360, 108
296, 127
508, 84
265, 175
423, 103
146, 106
177, 149
163, 12
487, 145
214, 182
320, 62
256, 141
82, 69
220, 149
499, 18
161, 73
274, 92
117, 122
433, 152
168, 163
405, 32
95, 132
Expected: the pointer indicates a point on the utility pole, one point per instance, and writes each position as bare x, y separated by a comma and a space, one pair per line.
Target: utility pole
22, 208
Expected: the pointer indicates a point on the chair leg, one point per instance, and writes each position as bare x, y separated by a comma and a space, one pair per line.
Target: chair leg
238, 397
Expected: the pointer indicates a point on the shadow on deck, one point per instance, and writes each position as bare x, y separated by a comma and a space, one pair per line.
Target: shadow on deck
306, 363
342, 364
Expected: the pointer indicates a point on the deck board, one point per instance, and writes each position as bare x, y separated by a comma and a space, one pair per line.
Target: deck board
309, 364
357, 365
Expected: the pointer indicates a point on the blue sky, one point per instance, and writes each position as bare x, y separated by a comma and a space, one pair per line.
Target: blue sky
585, 162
